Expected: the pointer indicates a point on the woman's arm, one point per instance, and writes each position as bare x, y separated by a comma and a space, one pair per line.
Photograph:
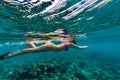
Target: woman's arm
79, 47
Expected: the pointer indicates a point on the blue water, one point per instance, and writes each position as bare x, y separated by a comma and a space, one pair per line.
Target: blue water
99, 19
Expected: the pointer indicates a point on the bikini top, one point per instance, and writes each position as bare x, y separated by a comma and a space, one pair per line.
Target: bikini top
66, 47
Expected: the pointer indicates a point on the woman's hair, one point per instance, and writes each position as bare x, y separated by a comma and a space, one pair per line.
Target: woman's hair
74, 41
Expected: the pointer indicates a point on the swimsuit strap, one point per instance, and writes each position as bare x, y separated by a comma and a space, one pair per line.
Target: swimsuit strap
66, 47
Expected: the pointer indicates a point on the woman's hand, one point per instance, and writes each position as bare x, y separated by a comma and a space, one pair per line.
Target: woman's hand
82, 47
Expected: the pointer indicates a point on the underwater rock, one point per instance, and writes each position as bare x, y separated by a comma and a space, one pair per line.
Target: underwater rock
10, 73
80, 76
43, 72
59, 69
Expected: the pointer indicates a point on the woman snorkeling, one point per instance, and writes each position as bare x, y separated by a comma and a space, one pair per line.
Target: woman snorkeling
66, 43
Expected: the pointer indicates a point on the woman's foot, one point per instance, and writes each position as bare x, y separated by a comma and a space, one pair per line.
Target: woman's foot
3, 56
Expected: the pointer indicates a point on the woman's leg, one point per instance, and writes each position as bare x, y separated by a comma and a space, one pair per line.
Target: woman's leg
25, 51
43, 48
34, 49
31, 49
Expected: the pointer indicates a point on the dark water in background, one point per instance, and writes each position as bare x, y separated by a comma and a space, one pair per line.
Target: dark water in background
98, 18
